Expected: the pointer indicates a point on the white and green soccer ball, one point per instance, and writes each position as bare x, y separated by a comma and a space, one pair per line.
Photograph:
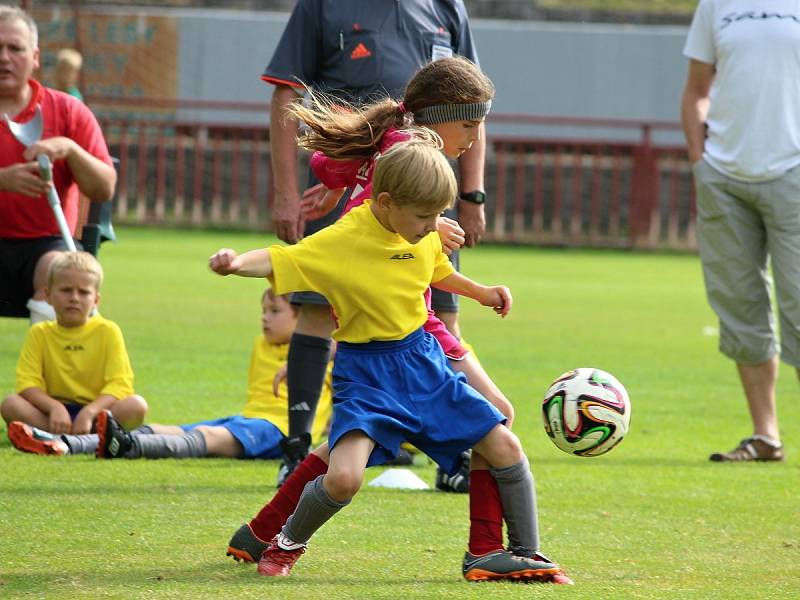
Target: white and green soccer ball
586, 412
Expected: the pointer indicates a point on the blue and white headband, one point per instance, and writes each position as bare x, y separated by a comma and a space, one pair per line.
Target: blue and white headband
446, 113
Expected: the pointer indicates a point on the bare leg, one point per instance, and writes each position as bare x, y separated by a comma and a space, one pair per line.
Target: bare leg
347, 464
16, 408
478, 378
759, 382
166, 429
40, 274
315, 320
220, 442
130, 411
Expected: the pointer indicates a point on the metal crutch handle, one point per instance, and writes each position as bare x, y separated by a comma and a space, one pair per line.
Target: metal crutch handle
46, 172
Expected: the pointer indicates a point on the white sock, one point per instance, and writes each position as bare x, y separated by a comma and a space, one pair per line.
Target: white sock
40, 311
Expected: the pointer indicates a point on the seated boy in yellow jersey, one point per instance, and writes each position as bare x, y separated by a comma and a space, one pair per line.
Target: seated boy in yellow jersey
72, 369
391, 379
255, 433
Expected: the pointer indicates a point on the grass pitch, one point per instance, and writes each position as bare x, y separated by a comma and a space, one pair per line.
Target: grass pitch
652, 519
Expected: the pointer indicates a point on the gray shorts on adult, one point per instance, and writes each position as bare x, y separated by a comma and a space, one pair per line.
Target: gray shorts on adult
742, 227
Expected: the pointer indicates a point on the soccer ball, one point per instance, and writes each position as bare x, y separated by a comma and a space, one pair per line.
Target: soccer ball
586, 412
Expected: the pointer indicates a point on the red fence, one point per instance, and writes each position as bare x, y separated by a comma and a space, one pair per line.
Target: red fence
555, 190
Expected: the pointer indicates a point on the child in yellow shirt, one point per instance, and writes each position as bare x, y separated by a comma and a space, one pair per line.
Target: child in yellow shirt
254, 433
75, 368
391, 379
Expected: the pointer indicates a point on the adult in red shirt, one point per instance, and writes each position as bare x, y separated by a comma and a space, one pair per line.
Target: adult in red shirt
29, 234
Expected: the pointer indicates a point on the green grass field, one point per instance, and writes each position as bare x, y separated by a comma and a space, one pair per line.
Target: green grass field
626, 6
653, 519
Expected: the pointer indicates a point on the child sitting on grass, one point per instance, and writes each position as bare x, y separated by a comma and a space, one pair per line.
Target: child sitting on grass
391, 378
73, 369
255, 433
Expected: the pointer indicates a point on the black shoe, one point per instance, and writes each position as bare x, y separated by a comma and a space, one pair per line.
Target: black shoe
245, 545
403, 459
458, 483
294, 449
112, 439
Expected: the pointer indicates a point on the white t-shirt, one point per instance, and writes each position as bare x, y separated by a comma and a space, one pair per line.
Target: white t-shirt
754, 116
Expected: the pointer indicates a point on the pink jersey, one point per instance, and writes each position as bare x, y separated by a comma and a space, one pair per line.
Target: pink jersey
357, 175
25, 217
354, 174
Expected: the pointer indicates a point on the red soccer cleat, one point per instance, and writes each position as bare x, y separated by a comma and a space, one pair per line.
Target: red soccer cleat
280, 556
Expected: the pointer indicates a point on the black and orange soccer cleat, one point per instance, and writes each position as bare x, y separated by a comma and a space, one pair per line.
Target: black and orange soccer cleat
112, 439
502, 565
246, 546
36, 441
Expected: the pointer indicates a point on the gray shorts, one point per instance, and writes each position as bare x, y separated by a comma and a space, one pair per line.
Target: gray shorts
741, 228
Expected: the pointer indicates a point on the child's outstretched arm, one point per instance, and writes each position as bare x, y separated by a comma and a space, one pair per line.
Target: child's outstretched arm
255, 263
497, 296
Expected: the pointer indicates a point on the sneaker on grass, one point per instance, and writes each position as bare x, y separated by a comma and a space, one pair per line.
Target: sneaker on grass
756, 448
36, 441
112, 439
279, 558
502, 565
245, 545
458, 483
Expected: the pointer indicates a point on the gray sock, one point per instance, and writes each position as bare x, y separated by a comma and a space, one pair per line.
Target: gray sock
80, 444
518, 496
143, 430
312, 512
190, 445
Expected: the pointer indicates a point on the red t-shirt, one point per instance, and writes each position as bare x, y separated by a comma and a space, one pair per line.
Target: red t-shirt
27, 217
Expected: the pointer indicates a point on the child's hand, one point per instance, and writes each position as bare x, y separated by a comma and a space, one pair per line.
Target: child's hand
498, 297
83, 422
224, 262
318, 201
58, 420
450, 233
280, 375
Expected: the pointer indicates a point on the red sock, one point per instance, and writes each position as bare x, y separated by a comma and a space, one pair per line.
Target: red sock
268, 522
485, 513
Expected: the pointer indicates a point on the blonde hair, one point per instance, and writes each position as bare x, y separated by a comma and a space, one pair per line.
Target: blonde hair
78, 261
415, 172
69, 57
11, 13
342, 131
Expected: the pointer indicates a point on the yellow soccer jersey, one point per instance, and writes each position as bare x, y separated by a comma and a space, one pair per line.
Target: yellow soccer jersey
373, 278
265, 360
76, 364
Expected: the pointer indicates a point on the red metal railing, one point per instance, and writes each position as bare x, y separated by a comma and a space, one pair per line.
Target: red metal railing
553, 189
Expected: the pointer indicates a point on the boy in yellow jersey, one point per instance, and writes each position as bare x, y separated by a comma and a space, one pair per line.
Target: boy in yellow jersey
255, 433
73, 369
391, 379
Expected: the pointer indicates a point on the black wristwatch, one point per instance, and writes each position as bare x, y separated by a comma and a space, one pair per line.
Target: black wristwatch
476, 197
